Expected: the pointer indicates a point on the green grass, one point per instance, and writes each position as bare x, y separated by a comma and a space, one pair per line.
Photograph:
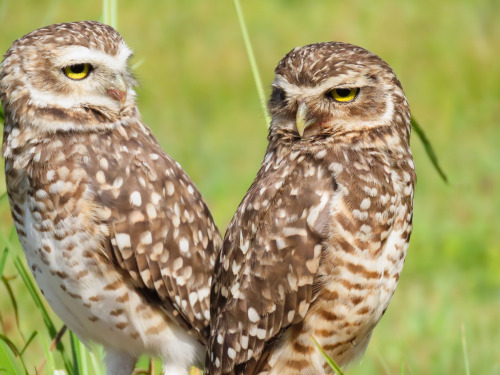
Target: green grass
198, 95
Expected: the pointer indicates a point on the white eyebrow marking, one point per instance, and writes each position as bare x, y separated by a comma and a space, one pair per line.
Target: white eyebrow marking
80, 54
298, 91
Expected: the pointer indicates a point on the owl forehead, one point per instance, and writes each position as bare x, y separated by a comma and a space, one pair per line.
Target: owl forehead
91, 35
332, 62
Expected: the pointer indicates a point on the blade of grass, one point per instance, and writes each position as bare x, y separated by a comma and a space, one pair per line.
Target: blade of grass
49, 324
34, 294
96, 358
114, 14
49, 357
77, 355
33, 291
13, 234
51, 9
3, 259
30, 339
428, 148
55, 343
253, 62
464, 347
384, 364
109, 13
82, 355
14, 305
105, 12
328, 360
14, 350
8, 362
3, 10
138, 64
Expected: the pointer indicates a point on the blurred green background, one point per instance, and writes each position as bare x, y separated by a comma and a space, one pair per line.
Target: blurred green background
198, 95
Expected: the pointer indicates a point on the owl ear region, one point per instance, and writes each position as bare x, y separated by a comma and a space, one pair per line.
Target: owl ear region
301, 120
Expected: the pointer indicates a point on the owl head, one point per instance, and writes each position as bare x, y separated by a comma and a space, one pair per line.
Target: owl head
67, 77
337, 89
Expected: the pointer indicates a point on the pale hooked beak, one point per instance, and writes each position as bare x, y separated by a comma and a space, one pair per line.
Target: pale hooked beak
301, 121
119, 90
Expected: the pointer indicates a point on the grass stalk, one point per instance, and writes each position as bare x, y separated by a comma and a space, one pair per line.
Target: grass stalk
114, 14
48, 360
327, 358
464, 348
428, 148
3, 259
110, 13
253, 62
105, 12
14, 349
96, 357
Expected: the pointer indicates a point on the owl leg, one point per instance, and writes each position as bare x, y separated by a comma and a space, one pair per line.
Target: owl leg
119, 362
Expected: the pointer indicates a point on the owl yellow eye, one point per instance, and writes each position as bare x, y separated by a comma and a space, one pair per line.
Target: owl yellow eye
77, 71
343, 94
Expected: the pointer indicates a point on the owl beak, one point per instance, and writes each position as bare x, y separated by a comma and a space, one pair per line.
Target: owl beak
119, 90
301, 121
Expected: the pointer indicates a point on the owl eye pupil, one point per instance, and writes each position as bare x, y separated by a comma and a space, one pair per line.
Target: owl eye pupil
78, 68
343, 92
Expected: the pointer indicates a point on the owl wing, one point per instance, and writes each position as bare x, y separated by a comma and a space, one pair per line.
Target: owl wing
265, 273
161, 233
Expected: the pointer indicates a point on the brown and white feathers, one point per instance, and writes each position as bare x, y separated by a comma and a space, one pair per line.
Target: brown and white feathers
316, 247
118, 237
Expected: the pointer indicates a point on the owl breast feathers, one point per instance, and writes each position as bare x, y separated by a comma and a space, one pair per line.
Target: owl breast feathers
316, 247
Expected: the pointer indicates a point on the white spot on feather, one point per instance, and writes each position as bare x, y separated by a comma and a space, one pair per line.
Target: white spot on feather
122, 240
135, 198
184, 245
253, 315
365, 204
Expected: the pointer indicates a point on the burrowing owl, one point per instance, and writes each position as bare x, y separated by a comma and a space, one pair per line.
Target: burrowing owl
118, 238
317, 245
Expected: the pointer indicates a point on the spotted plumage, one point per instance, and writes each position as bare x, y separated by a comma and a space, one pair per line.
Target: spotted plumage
317, 245
118, 237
